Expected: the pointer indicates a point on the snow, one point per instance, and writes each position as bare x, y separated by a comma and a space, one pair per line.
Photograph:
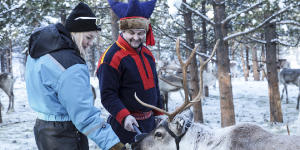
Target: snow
272, 1
189, 1
251, 104
174, 4
10, 9
281, 4
173, 11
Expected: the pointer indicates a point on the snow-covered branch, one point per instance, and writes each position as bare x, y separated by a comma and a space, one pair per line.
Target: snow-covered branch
284, 43
257, 27
199, 14
183, 27
258, 41
240, 12
173, 38
9, 10
290, 22
223, 2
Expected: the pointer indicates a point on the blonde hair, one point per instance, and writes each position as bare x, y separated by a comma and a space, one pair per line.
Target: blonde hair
77, 38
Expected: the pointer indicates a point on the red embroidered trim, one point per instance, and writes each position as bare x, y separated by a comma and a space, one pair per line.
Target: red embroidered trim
157, 113
121, 115
148, 82
139, 115
133, 17
147, 51
115, 61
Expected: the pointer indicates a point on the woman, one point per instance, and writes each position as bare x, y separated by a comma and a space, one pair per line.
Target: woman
58, 86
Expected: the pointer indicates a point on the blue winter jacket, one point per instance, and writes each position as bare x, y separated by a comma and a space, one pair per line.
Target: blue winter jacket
58, 84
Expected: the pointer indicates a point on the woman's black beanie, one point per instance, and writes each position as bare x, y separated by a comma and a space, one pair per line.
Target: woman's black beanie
81, 25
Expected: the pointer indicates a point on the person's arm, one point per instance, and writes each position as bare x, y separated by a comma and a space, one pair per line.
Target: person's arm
109, 84
74, 93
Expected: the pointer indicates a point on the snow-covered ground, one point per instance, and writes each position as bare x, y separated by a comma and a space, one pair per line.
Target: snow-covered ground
251, 104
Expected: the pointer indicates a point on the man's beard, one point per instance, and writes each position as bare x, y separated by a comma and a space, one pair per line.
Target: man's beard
134, 47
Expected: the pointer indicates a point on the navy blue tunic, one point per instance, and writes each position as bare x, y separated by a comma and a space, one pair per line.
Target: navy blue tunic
121, 73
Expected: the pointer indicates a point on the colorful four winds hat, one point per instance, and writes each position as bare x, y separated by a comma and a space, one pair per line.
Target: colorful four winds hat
135, 15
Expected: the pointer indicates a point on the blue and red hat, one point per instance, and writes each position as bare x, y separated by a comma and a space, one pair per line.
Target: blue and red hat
135, 15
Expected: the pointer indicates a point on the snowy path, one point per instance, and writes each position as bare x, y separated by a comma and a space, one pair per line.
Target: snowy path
251, 104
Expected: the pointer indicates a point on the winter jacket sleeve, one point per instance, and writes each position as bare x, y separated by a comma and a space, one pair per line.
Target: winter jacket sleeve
73, 91
109, 83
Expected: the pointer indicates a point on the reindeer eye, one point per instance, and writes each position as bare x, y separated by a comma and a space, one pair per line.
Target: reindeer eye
158, 134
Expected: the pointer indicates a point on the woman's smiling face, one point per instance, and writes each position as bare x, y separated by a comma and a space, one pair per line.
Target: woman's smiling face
87, 40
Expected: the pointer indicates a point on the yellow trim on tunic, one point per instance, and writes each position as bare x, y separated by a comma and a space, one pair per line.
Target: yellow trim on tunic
120, 45
102, 59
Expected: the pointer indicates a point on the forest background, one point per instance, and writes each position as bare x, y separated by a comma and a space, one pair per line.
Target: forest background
251, 32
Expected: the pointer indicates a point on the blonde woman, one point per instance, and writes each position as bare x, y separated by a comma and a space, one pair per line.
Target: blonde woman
58, 86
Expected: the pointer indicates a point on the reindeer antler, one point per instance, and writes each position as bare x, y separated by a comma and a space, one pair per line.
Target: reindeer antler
187, 103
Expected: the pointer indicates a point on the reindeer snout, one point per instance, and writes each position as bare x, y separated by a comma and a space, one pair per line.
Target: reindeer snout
135, 146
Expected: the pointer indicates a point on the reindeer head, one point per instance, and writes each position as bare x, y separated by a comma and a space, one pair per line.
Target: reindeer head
159, 138
174, 128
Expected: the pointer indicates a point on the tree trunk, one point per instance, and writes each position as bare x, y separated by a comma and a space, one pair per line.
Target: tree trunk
277, 50
2, 61
114, 25
204, 45
232, 51
10, 57
225, 87
194, 79
63, 16
243, 62
254, 63
247, 61
158, 55
263, 58
0, 113
274, 96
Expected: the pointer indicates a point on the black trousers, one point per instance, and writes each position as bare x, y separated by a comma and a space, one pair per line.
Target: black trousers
59, 135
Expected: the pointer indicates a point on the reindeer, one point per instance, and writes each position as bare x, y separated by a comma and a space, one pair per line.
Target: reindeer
177, 132
7, 84
233, 68
289, 76
173, 82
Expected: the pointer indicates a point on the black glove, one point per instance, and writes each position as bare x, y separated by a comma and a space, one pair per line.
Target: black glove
118, 146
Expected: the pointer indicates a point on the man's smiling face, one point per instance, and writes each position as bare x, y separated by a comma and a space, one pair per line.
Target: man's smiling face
134, 37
